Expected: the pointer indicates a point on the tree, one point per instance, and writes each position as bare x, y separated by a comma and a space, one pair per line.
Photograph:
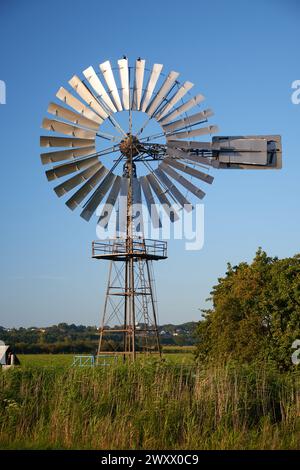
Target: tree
255, 314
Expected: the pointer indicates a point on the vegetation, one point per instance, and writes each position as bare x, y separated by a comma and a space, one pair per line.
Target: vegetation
242, 392
255, 314
149, 406
64, 338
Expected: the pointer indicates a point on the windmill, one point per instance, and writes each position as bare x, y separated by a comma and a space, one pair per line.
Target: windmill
118, 161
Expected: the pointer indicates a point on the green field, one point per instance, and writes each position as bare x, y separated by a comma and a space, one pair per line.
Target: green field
172, 355
174, 404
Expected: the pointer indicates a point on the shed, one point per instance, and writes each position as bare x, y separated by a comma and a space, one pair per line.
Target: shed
7, 356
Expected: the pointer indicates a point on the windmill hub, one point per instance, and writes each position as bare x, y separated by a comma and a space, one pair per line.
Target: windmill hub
130, 146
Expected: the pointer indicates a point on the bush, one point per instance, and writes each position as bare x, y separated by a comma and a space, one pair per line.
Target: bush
255, 314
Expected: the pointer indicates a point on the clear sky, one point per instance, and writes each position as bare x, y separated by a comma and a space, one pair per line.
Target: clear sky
242, 55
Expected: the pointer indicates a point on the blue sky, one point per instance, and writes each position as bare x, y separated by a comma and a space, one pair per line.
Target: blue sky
242, 55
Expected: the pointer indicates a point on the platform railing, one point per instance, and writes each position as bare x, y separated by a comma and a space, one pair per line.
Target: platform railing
139, 246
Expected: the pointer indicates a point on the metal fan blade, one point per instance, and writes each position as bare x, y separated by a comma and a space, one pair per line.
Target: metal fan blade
86, 188
83, 91
108, 75
173, 189
191, 171
96, 84
124, 79
67, 129
110, 202
182, 180
160, 193
182, 109
71, 183
138, 83
121, 225
189, 145
137, 206
62, 170
95, 199
156, 70
156, 222
124, 191
59, 156
188, 121
162, 93
76, 104
199, 159
178, 96
68, 115
194, 133
180, 154
46, 141
136, 191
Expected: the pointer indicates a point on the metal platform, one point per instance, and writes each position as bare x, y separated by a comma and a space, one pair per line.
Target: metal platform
117, 249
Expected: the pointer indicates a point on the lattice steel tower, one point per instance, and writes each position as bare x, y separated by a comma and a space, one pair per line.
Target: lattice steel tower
130, 303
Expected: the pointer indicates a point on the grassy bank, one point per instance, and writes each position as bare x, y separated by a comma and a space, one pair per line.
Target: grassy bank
149, 407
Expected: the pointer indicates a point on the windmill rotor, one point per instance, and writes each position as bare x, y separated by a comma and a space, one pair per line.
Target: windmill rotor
96, 98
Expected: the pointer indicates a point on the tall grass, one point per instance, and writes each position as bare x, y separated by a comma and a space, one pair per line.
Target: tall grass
149, 407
